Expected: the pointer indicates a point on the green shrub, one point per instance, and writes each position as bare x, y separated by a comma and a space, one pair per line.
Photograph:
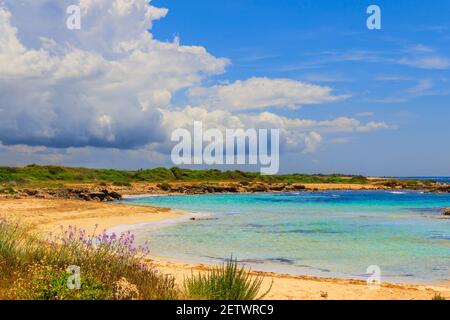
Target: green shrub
438, 296
14, 245
164, 186
34, 269
122, 184
392, 183
226, 282
49, 283
53, 170
36, 173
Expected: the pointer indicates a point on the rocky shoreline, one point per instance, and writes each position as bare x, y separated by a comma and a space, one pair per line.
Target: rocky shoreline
106, 192
86, 194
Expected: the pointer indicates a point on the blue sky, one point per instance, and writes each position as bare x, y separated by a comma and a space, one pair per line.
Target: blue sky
380, 98
308, 41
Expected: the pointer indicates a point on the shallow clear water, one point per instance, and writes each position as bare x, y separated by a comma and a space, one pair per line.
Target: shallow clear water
331, 234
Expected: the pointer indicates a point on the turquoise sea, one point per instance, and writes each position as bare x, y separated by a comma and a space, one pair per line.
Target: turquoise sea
329, 234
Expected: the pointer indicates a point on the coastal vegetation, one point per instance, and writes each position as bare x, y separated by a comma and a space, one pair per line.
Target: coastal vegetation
438, 297
55, 175
226, 282
101, 266
56, 182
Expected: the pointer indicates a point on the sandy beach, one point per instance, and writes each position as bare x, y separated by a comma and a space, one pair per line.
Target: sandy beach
43, 215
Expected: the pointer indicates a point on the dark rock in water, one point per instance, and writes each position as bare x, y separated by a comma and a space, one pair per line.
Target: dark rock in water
447, 212
202, 219
282, 260
261, 261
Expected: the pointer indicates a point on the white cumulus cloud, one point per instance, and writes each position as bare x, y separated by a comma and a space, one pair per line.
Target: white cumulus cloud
261, 93
297, 135
99, 86
108, 88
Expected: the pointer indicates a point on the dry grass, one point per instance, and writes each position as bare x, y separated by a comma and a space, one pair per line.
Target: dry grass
73, 265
